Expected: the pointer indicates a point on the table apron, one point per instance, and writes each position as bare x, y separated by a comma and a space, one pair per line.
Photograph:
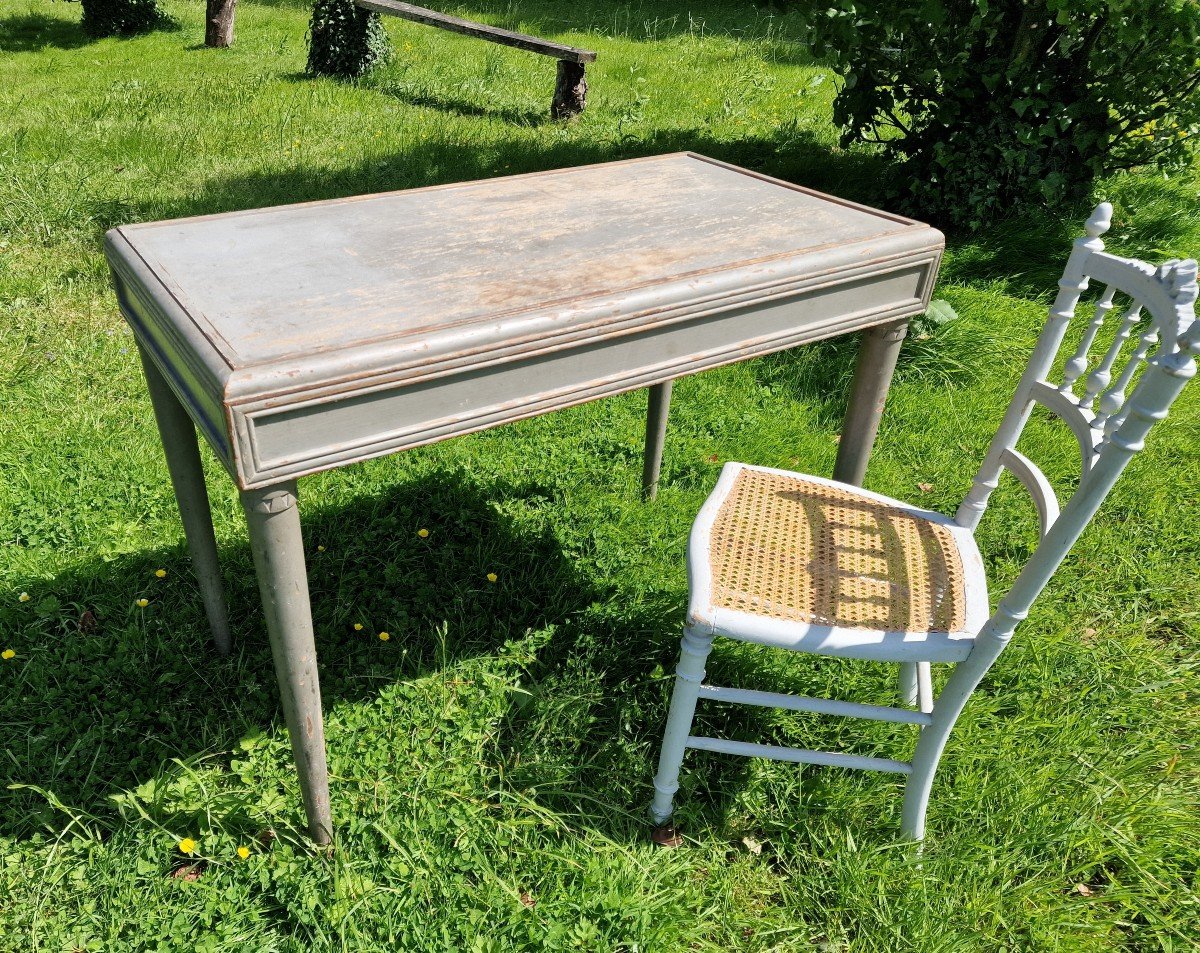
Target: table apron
277, 443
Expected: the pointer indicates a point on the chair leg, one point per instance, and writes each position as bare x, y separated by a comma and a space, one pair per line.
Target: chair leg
924, 687
916, 686
950, 703
688, 676
908, 684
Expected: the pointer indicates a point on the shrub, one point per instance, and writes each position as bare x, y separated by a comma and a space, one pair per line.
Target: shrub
344, 40
120, 17
987, 104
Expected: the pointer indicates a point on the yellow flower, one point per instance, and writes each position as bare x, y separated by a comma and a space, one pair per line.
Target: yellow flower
383, 636
161, 573
142, 603
358, 626
423, 533
243, 852
320, 549
187, 846
492, 577
23, 597
7, 654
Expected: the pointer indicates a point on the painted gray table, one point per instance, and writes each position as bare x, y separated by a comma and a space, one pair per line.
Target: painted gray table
306, 337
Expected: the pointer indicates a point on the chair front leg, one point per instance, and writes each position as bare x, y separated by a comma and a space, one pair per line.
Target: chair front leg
689, 675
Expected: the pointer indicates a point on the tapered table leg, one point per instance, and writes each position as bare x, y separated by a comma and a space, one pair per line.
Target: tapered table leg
656, 435
274, 522
878, 349
182, 451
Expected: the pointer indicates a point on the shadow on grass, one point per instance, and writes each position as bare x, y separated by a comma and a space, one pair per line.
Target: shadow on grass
592, 778
1013, 250
32, 32
465, 107
107, 695
106, 704
28, 32
641, 20
791, 155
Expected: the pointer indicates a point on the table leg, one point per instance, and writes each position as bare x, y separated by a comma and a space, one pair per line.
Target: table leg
275, 540
182, 451
877, 352
656, 435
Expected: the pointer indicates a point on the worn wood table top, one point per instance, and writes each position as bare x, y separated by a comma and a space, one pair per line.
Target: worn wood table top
306, 336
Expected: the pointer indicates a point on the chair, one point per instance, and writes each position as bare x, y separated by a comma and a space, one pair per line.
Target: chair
811, 565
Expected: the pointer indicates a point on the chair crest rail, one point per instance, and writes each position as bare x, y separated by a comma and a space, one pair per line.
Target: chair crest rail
1091, 397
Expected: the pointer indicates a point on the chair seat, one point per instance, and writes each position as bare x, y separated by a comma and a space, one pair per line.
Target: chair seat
813, 565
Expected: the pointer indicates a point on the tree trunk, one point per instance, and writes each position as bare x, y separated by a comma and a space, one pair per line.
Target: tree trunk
218, 22
570, 91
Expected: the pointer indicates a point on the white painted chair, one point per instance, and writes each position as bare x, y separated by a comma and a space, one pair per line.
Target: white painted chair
810, 565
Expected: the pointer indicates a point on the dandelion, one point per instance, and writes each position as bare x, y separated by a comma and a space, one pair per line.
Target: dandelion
8, 654
423, 533
142, 603
161, 573
243, 852
358, 626
384, 636
23, 597
320, 549
187, 846
492, 577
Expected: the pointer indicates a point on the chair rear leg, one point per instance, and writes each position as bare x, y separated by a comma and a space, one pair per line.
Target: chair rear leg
949, 705
924, 687
689, 675
916, 686
908, 684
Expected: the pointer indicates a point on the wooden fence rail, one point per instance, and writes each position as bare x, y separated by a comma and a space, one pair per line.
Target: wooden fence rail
570, 88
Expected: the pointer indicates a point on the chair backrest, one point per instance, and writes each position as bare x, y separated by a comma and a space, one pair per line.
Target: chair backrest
1159, 306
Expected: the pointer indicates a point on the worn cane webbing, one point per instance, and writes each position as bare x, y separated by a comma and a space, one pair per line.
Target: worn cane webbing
786, 548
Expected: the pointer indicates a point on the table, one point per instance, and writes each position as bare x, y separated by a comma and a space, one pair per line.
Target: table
306, 337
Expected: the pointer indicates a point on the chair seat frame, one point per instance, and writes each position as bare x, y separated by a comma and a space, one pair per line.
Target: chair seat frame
879, 644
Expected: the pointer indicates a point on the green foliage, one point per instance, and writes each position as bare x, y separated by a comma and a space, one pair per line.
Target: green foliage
120, 17
991, 103
344, 40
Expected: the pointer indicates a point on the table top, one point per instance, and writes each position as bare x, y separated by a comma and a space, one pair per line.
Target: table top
341, 294
453, 265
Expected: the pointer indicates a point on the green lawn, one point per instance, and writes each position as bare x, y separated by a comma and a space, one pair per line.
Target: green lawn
492, 760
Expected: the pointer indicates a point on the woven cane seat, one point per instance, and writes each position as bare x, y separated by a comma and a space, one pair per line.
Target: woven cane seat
795, 550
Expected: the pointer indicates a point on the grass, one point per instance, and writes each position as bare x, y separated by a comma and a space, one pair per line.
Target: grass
492, 759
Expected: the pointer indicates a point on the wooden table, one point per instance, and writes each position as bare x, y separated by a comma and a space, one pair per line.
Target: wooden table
310, 336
